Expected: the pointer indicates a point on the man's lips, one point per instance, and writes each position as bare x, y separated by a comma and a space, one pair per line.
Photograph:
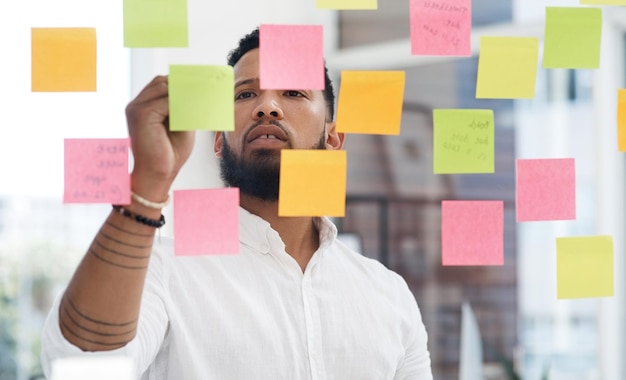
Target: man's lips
267, 132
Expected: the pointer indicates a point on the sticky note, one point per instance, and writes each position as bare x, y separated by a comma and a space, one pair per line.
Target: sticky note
312, 183
603, 2
621, 120
346, 4
206, 222
584, 267
441, 27
463, 141
472, 232
291, 57
507, 67
545, 189
96, 171
572, 37
63, 59
201, 97
93, 368
152, 24
370, 102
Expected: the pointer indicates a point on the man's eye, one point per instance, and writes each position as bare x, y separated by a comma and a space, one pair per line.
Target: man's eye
293, 93
244, 95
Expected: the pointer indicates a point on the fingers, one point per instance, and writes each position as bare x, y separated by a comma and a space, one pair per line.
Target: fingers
157, 88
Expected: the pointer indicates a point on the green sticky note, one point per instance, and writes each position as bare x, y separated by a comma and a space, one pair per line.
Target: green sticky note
507, 67
201, 97
584, 267
346, 4
572, 37
160, 23
603, 2
463, 141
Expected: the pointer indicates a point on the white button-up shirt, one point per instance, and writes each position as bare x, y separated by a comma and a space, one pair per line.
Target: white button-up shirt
256, 315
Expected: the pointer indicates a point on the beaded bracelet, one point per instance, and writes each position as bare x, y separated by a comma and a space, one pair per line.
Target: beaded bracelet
140, 218
143, 201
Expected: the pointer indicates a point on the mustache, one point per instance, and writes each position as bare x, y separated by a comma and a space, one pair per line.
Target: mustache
265, 122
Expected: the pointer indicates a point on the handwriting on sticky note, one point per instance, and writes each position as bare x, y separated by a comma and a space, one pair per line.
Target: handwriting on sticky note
96, 171
201, 97
545, 189
441, 27
206, 222
585, 267
370, 102
63, 59
463, 141
291, 56
346, 4
472, 232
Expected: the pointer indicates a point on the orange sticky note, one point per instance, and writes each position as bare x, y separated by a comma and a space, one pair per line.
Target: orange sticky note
441, 27
472, 232
545, 189
312, 183
96, 171
206, 222
584, 267
63, 59
291, 57
507, 67
621, 120
370, 102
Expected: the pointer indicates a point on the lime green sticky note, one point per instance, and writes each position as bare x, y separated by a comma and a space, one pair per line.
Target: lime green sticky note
370, 102
584, 267
463, 141
507, 67
346, 4
603, 2
201, 97
312, 183
572, 37
151, 24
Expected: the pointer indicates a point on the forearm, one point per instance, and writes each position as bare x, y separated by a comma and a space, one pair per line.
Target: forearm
100, 307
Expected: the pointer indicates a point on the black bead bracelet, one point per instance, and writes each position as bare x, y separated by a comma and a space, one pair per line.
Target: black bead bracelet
140, 218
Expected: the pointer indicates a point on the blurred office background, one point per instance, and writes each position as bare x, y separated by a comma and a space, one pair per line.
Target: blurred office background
393, 200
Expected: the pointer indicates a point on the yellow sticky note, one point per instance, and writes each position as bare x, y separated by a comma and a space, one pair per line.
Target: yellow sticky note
463, 141
63, 59
346, 4
584, 267
621, 120
312, 183
603, 2
370, 102
507, 67
572, 37
150, 24
201, 97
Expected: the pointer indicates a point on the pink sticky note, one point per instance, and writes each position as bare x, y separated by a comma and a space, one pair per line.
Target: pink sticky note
206, 222
441, 27
96, 171
291, 57
472, 232
545, 189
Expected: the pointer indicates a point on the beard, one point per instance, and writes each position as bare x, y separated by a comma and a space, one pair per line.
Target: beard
259, 176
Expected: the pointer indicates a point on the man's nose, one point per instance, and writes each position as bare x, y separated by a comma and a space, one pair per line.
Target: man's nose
268, 106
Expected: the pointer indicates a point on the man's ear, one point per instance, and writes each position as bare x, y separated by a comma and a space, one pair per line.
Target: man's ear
334, 139
218, 144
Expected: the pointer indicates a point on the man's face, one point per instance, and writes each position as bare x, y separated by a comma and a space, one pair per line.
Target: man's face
267, 121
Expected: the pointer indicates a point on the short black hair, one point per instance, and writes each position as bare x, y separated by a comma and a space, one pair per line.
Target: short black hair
251, 41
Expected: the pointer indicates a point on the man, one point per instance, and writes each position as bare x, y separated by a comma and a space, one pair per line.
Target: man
294, 304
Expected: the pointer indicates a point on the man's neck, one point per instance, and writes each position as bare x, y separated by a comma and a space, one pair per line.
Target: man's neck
299, 234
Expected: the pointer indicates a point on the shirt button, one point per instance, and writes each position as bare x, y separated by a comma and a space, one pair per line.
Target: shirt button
264, 248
